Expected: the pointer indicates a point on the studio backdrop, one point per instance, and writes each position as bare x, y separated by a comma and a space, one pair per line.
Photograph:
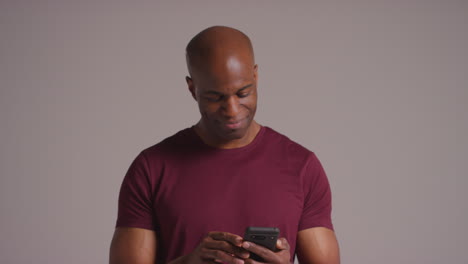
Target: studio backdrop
377, 89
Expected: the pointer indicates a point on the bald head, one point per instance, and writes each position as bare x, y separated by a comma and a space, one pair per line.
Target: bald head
223, 81
216, 45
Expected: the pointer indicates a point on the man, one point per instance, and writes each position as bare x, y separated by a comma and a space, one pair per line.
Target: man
189, 198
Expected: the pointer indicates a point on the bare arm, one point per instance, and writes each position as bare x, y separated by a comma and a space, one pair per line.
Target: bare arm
317, 245
133, 245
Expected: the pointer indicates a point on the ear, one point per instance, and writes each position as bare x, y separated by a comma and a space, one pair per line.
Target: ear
255, 73
191, 87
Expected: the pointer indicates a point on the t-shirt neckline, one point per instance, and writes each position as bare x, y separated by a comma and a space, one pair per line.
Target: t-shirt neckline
249, 146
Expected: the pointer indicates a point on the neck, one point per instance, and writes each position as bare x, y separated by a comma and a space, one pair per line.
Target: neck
217, 142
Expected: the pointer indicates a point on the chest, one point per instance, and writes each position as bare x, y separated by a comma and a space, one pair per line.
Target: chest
228, 197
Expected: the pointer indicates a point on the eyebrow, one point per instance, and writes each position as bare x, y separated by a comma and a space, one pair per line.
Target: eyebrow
240, 90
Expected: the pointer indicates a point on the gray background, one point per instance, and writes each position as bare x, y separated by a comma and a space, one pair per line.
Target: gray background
378, 89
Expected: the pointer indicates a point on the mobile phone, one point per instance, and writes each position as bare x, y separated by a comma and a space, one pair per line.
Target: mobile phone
263, 236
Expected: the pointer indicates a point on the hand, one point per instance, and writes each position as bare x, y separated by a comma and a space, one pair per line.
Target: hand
218, 247
281, 256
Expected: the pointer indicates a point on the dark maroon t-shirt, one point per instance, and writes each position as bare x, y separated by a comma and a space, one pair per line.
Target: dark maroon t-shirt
183, 189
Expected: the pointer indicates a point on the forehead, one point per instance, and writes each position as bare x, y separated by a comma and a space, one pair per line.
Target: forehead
227, 71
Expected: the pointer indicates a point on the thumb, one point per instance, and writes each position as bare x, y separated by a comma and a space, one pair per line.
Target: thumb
281, 243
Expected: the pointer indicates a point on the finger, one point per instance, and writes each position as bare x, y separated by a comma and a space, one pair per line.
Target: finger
263, 252
251, 261
219, 255
282, 244
225, 236
227, 247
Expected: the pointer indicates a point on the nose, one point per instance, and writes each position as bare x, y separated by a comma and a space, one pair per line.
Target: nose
231, 106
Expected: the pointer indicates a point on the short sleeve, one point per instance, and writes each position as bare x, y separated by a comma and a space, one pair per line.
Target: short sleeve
135, 198
317, 196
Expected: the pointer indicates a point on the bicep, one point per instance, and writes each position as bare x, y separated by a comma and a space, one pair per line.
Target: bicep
133, 245
317, 245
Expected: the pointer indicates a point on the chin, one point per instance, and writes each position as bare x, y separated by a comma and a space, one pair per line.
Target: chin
233, 134
230, 134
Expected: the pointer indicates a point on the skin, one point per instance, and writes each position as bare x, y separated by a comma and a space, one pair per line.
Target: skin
223, 82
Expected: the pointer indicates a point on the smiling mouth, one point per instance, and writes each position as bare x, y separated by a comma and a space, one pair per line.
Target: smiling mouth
232, 125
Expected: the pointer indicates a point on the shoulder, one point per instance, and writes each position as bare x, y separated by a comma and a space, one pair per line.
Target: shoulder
291, 147
175, 144
150, 162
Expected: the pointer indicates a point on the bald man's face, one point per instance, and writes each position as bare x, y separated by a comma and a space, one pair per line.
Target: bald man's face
226, 92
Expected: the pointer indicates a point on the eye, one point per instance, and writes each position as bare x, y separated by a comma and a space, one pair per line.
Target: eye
214, 98
242, 95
